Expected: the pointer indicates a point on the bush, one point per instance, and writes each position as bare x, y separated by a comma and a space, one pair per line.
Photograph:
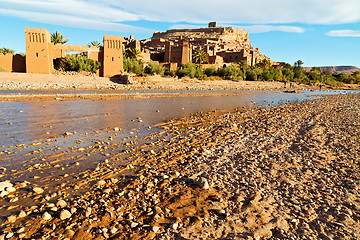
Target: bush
251, 75
231, 72
76, 63
211, 71
190, 70
2, 70
154, 68
132, 65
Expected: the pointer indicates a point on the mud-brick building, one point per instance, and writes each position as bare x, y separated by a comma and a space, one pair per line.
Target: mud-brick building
41, 52
221, 44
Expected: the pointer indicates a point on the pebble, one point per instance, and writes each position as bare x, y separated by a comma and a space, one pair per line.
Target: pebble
201, 182
38, 190
11, 219
65, 214
4, 185
46, 216
61, 203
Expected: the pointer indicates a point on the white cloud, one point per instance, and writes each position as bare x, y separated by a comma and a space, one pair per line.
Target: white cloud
244, 11
109, 14
271, 28
72, 13
344, 33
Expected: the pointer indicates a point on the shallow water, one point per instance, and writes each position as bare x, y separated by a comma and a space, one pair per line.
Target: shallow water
24, 122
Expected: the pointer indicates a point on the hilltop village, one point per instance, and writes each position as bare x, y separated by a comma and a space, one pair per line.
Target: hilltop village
175, 47
222, 45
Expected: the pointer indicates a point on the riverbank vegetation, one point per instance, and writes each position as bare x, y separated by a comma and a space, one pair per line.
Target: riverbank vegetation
262, 71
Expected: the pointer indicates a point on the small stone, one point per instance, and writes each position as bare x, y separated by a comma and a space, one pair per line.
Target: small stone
9, 235
201, 182
20, 230
155, 229
65, 214
133, 224
15, 199
101, 183
22, 235
113, 230
61, 203
22, 214
88, 212
73, 210
12, 219
46, 216
4, 185
4, 194
38, 190
10, 189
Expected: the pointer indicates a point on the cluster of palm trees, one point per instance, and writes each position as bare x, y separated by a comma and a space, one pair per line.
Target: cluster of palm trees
57, 37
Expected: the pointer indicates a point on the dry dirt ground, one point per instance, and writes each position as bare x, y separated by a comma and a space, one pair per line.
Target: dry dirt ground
287, 172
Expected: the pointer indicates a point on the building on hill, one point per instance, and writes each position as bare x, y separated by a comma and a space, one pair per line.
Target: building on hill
222, 45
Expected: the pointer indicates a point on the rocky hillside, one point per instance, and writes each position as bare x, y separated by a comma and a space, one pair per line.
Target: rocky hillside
339, 69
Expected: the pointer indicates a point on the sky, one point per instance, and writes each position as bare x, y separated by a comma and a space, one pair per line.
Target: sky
318, 32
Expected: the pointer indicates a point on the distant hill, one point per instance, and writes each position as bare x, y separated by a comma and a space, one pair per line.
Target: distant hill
339, 69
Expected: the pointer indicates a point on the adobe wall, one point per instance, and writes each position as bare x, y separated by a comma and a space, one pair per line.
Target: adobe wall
6, 61
113, 56
12, 63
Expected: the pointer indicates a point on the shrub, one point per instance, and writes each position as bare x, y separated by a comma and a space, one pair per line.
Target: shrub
154, 68
132, 65
211, 71
2, 70
76, 63
231, 72
251, 75
190, 70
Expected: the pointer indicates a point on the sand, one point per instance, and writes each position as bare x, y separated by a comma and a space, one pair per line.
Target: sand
287, 172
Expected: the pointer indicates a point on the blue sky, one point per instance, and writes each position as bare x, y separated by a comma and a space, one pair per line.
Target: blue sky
318, 32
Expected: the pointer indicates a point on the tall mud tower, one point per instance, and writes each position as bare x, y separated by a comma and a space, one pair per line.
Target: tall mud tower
38, 51
113, 56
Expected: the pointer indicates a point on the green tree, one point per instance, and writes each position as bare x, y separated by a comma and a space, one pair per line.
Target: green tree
57, 37
133, 53
154, 68
6, 50
298, 63
95, 44
200, 56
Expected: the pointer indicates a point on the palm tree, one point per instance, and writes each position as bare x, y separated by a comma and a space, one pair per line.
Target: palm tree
6, 50
57, 37
133, 53
95, 44
298, 63
200, 56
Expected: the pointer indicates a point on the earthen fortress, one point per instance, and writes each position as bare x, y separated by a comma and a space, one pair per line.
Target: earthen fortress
222, 45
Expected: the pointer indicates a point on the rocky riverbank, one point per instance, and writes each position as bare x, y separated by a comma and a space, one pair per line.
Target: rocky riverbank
287, 172
29, 81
